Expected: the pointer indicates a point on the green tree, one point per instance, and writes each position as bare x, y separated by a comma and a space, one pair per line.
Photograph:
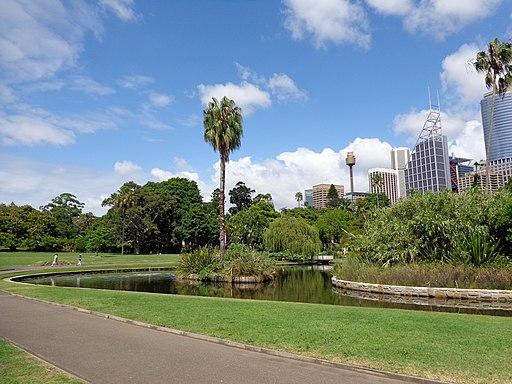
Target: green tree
126, 197
292, 235
335, 224
496, 64
240, 197
298, 198
248, 226
377, 182
263, 197
223, 130
333, 198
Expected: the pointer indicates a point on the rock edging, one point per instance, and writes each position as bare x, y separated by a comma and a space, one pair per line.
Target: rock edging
439, 293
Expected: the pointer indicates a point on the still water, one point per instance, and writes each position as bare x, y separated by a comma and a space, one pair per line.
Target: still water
306, 284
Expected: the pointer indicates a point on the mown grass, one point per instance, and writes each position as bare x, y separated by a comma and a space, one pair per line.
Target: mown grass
456, 347
19, 367
11, 259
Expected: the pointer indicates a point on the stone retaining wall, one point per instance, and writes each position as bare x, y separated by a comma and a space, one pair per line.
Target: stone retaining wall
440, 293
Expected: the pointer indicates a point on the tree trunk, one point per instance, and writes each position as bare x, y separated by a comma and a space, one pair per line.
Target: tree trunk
122, 236
222, 229
488, 147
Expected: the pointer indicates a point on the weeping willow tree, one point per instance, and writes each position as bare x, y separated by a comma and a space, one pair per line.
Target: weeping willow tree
293, 235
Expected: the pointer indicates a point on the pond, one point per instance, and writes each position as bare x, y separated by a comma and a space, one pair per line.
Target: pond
306, 284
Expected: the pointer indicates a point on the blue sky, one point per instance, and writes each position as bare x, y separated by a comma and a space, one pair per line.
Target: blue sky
96, 93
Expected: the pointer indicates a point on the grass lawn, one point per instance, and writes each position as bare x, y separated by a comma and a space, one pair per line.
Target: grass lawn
10, 259
19, 367
456, 347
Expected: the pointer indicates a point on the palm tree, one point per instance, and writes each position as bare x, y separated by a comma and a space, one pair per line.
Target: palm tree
496, 63
377, 182
124, 198
299, 198
223, 130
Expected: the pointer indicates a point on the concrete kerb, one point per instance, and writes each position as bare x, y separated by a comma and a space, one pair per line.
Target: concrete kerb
234, 344
483, 295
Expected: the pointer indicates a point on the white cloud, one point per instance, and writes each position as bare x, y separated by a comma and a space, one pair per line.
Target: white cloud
162, 175
294, 171
135, 81
459, 78
327, 21
32, 126
6, 94
464, 131
392, 7
24, 181
39, 38
247, 96
285, 88
88, 85
160, 100
437, 18
121, 8
126, 167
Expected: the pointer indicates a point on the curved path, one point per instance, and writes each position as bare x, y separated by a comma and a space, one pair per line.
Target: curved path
102, 350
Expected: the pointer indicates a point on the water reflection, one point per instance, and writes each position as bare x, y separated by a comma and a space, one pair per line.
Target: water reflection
311, 284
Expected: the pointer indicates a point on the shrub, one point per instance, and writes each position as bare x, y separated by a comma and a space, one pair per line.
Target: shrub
204, 263
293, 235
427, 275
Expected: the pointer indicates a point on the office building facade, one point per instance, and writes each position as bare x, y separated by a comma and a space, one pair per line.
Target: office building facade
388, 183
320, 192
308, 198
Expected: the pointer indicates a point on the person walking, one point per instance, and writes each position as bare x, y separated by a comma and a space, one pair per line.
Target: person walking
79, 259
55, 260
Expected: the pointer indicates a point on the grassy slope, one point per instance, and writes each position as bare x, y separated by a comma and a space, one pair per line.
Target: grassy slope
10, 259
463, 348
17, 366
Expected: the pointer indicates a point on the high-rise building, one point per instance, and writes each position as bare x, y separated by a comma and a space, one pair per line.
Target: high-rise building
382, 180
458, 168
308, 198
428, 167
399, 159
498, 136
479, 179
320, 192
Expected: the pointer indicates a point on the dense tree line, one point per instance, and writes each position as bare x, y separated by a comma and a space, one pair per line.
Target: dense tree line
160, 217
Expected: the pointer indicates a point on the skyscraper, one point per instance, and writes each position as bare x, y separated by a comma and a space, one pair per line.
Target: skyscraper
498, 136
428, 168
399, 159
308, 198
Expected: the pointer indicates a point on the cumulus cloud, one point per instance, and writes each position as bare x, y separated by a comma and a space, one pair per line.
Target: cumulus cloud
464, 131
297, 170
247, 96
135, 81
121, 8
459, 79
24, 181
327, 21
160, 100
126, 167
438, 18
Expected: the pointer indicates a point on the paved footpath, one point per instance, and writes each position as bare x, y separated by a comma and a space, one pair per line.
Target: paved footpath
102, 350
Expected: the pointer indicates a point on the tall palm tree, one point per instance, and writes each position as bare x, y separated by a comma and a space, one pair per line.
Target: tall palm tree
299, 198
496, 63
377, 183
123, 199
223, 130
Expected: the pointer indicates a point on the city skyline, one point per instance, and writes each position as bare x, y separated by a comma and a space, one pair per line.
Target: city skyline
119, 97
